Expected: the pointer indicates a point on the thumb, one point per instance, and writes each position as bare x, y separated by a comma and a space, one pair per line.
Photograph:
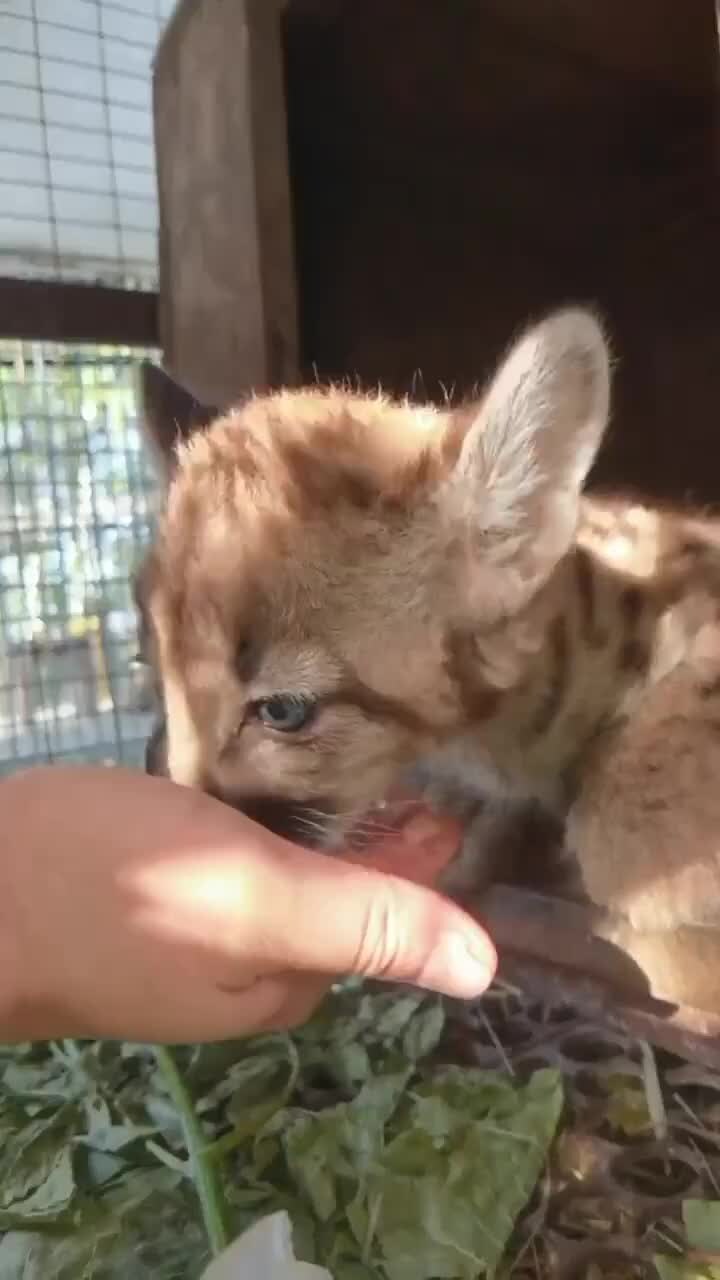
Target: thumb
333, 917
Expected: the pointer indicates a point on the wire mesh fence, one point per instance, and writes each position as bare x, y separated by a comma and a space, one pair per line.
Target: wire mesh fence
77, 203
77, 498
77, 177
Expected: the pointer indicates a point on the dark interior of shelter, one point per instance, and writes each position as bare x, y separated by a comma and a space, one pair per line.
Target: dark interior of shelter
459, 168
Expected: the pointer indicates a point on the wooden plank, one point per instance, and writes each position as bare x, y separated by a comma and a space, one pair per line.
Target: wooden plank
227, 282
54, 311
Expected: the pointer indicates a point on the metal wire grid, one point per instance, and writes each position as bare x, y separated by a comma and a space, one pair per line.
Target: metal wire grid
77, 177
77, 498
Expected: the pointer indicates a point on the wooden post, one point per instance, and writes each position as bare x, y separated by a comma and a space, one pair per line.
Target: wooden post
227, 281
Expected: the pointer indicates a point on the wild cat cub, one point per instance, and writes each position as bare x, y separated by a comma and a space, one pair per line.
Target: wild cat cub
342, 588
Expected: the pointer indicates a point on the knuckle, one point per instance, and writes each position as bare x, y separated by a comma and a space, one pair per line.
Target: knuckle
381, 944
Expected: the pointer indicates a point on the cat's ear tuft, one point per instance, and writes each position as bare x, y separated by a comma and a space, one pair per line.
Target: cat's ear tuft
170, 414
528, 446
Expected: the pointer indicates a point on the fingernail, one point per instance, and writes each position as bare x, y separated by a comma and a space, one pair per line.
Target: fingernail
461, 966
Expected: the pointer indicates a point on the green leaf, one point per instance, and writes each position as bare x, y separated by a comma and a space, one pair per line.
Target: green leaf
702, 1229
145, 1230
390, 1168
348, 1270
396, 1016
423, 1033
314, 1151
31, 1158
452, 1185
627, 1106
680, 1269
51, 1199
350, 1062
702, 1224
669, 1268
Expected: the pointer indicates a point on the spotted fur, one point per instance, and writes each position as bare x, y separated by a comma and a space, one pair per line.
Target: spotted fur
459, 611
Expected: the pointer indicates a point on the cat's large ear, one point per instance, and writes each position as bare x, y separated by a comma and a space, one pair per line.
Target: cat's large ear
527, 447
170, 414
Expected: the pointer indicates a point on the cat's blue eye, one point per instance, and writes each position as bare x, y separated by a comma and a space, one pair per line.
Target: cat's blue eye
285, 712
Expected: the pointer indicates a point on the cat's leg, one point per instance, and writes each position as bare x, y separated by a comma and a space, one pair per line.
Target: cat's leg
645, 826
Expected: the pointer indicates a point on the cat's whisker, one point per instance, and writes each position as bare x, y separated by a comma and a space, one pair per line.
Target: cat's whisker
351, 821
311, 825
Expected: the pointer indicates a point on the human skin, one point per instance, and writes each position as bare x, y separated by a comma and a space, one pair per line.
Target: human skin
136, 909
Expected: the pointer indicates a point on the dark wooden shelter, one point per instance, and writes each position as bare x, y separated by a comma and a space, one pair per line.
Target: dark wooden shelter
388, 189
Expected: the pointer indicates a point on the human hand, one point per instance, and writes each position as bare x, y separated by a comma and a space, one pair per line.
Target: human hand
132, 908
